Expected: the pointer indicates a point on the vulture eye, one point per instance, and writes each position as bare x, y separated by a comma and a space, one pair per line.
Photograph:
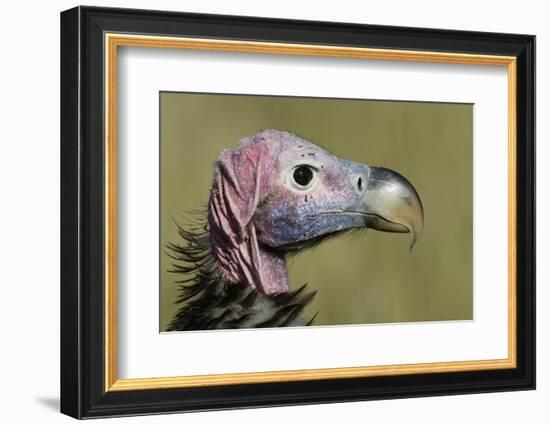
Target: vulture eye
303, 175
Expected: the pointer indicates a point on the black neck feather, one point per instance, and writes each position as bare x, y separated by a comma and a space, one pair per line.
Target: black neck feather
209, 301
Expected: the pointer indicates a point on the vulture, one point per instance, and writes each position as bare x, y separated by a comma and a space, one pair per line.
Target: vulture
273, 196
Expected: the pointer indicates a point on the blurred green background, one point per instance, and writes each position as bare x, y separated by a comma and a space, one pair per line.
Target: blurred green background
371, 279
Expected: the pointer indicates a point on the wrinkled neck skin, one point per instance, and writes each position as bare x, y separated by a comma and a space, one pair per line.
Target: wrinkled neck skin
234, 197
242, 259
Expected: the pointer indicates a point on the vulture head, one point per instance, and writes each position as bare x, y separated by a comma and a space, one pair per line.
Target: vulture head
276, 194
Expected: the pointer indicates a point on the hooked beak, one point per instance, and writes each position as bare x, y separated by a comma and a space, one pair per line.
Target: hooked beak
378, 198
391, 204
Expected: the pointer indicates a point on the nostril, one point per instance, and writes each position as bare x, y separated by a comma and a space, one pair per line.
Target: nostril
360, 184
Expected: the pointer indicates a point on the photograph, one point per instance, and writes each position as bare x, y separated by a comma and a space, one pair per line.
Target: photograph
272, 211
300, 211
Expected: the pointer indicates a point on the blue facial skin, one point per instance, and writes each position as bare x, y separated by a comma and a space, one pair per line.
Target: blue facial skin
294, 227
346, 195
296, 221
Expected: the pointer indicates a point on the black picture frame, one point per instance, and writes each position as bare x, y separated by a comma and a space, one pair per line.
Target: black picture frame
83, 392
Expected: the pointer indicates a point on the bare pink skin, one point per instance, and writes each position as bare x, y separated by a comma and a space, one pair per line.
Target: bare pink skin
240, 180
253, 207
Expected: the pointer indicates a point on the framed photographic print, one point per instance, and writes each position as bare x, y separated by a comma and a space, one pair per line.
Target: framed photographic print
261, 212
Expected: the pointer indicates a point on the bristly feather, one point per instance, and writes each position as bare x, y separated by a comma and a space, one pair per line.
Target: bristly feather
209, 301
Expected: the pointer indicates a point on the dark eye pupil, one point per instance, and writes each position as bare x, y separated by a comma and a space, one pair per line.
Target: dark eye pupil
303, 175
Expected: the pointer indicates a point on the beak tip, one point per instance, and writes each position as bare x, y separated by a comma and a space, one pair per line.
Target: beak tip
415, 232
413, 243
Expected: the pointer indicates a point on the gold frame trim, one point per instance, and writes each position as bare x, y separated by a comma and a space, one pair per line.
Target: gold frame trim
113, 41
